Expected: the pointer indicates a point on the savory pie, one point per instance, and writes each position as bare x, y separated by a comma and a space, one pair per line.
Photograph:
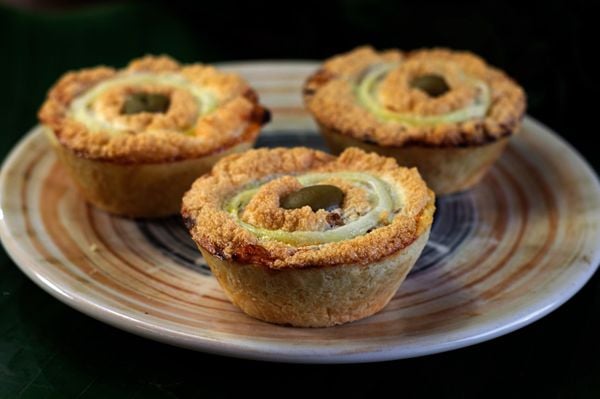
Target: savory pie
300, 237
446, 112
135, 139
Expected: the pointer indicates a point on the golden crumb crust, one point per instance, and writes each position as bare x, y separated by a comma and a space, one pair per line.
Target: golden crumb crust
209, 111
215, 231
330, 94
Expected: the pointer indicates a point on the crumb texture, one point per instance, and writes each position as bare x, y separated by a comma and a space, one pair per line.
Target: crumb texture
277, 171
331, 96
208, 111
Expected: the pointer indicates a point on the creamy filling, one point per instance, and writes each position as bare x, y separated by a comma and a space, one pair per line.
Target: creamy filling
383, 205
82, 109
367, 88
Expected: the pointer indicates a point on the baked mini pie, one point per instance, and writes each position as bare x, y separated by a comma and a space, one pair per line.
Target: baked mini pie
302, 238
135, 139
446, 112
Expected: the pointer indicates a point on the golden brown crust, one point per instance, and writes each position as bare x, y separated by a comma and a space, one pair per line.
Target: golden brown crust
136, 190
446, 170
216, 231
315, 297
264, 210
330, 96
182, 132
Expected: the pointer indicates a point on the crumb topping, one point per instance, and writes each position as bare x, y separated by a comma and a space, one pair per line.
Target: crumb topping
481, 105
208, 111
264, 209
274, 173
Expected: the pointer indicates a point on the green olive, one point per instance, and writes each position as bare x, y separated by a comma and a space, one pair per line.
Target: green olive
433, 85
322, 196
145, 102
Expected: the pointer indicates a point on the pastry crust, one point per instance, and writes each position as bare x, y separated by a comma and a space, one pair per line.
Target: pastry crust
315, 297
368, 99
140, 164
183, 132
330, 95
216, 232
150, 190
312, 285
446, 169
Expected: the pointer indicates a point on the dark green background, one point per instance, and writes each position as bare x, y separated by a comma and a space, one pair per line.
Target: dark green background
49, 350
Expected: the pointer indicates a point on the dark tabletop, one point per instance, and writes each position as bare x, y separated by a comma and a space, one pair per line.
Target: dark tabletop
50, 350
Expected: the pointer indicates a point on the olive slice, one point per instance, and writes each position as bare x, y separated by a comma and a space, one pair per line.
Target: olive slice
321, 196
145, 102
433, 85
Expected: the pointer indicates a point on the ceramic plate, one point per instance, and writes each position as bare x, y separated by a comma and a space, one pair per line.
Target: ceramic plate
500, 256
